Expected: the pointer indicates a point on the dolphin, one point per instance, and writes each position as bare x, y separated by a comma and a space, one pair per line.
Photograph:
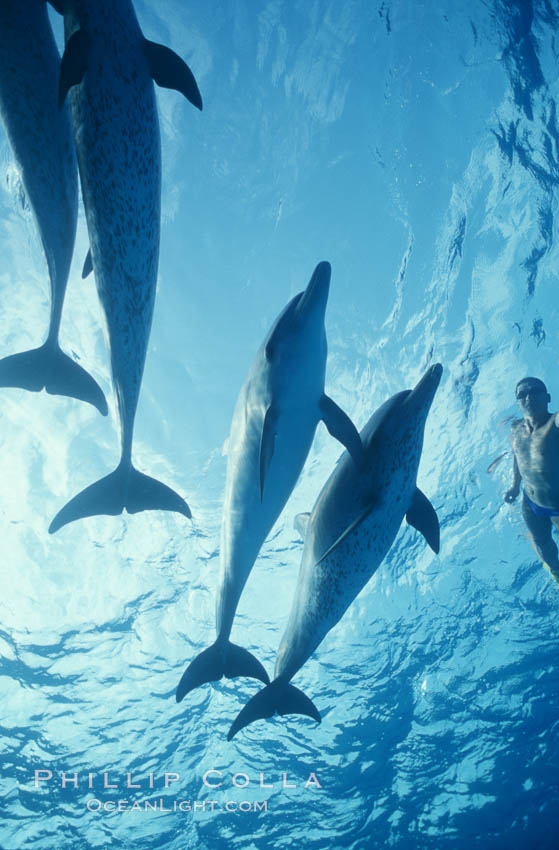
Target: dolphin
275, 418
41, 140
108, 69
351, 528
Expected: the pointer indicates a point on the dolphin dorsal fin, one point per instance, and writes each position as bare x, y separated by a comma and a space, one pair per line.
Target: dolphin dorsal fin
267, 442
347, 531
301, 523
422, 515
169, 71
73, 64
341, 427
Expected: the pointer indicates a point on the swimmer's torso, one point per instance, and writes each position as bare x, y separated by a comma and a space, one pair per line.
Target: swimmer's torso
537, 455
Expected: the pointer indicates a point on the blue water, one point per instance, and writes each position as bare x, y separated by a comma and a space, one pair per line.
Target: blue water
416, 147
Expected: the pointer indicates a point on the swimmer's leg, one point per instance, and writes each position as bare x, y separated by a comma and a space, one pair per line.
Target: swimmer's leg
539, 534
555, 572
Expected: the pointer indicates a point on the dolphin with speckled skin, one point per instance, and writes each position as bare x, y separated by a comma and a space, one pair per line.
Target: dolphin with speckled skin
108, 69
40, 136
275, 418
351, 528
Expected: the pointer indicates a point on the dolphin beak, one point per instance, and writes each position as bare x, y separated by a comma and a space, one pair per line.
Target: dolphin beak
315, 296
427, 386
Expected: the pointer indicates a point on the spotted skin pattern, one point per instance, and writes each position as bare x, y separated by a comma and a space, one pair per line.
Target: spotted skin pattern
380, 491
116, 130
107, 71
351, 528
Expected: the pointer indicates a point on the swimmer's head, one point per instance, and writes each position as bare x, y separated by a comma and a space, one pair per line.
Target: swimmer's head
533, 389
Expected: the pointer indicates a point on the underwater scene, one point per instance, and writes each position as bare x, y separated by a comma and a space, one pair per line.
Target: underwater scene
235, 234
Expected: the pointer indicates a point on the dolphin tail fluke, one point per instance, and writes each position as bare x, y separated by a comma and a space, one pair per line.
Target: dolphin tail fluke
123, 488
206, 667
241, 662
105, 496
49, 368
25, 370
280, 697
149, 494
223, 659
66, 377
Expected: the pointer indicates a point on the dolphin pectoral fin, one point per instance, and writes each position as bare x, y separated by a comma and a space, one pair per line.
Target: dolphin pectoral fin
423, 517
49, 368
73, 64
279, 697
169, 71
301, 522
105, 496
225, 659
149, 494
363, 515
87, 266
267, 441
341, 427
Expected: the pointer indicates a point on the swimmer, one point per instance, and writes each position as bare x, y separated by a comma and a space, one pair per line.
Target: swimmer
535, 444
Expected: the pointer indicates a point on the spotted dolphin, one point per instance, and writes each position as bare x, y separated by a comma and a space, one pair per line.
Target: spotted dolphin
351, 528
41, 140
108, 69
275, 418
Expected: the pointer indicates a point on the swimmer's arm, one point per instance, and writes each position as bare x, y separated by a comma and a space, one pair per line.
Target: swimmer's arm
512, 493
